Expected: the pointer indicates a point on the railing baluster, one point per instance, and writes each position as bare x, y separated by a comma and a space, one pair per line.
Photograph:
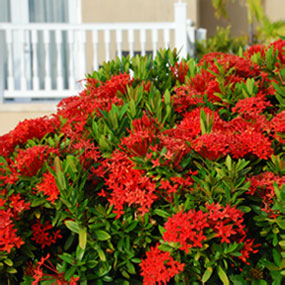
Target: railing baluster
143, 41
107, 38
95, 49
166, 38
58, 40
119, 40
131, 42
11, 85
154, 42
35, 70
191, 41
23, 79
82, 54
71, 79
47, 59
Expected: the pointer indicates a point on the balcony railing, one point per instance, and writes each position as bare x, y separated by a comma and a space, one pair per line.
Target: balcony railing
40, 61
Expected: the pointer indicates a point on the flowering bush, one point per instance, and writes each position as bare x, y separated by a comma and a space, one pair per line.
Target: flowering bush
159, 171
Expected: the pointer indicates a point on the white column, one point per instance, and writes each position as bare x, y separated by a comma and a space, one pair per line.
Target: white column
107, 40
36, 81
10, 59
131, 38
166, 38
95, 49
19, 15
76, 49
47, 60
180, 18
71, 72
143, 41
154, 43
75, 11
58, 40
119, 41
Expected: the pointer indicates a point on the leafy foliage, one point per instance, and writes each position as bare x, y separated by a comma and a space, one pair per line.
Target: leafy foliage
159, 171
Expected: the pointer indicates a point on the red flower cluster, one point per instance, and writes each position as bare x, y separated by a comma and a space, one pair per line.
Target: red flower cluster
159, 267
28, 129
277, 127
145, 132
192, 228
8, 236
180, 70
48, 187
128, 185
77, 109
262, 186
41, 234
237, 137
187, 229
18, 205
29, 161
239, 66
278, 46
39, 275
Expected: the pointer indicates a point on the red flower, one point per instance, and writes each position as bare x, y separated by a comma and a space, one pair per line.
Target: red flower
29, 161
39, 275
277, 126
48, 187
180, 70
262, 186
17, 204
41, 234
247, 249
8, 237
159, 267
145, 132
127, 185
187, 229
25, 130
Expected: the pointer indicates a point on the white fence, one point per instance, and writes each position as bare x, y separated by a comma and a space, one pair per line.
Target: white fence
47, 60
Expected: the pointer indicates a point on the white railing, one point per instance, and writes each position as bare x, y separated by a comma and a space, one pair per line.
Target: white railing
48, 60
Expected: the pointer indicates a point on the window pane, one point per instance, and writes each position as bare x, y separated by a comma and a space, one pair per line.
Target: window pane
5, 11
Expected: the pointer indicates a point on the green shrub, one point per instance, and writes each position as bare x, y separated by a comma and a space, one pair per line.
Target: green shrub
172, 173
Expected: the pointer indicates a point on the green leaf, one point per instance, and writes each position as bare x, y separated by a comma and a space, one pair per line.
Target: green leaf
207, 274
82, 237
101, 254
276, 257
79, 253
222, 275
11, 270
167, 97
67, 258
165, 247
228, 163
132, 226
244, 209
70, 272
69, 242
102, 235
136, 260
130, 267
60, 179
161, 213
38, 202
8, 261
71, 225
161, 229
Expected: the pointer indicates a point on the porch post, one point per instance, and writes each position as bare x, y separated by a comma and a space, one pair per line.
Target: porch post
79, 47
180, 18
